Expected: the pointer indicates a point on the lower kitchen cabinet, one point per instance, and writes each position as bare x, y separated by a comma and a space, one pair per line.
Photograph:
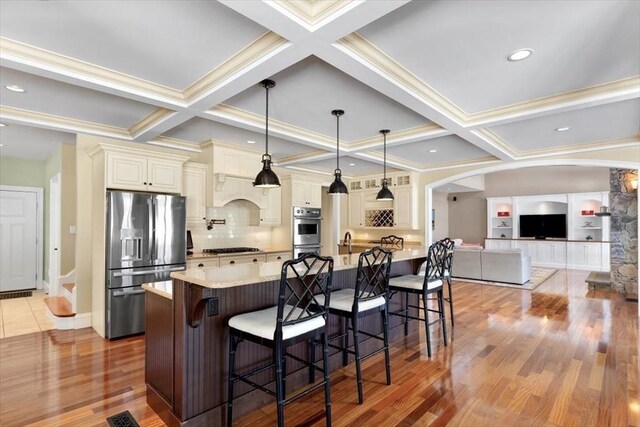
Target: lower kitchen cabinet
203, 262
243, 259
280, 256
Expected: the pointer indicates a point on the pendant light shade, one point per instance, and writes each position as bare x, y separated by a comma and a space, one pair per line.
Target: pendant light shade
337, 187
385, 194
266, 178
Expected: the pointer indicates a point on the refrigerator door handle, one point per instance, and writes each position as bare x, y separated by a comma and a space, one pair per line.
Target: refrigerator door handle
143, 272
125, 293
151, 230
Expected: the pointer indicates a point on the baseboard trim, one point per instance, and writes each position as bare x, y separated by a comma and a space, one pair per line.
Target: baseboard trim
82, 320
45, 286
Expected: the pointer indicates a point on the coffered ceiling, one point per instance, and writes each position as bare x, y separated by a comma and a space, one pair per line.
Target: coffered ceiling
181, 73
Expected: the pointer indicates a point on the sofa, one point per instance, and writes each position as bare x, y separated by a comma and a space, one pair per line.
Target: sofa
495, 265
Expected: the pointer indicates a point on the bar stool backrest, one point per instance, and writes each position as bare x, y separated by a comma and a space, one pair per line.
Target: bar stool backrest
436, 259
392, 241
372, 278
449, 244
301, 280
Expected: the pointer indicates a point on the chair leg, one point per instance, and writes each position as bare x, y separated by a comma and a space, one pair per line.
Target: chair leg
279, 383
284, 375
450, 300
385, 332
312, 361
356, 346
345, 353
233, 345
425, 307
325, 366
442, 314
406, 312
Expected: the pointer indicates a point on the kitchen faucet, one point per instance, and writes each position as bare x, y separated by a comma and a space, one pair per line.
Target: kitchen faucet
347, 240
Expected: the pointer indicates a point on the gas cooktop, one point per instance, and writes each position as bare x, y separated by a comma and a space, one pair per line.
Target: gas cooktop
229, 250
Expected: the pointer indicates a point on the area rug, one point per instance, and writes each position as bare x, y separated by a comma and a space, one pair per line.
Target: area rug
538, 276
18, 294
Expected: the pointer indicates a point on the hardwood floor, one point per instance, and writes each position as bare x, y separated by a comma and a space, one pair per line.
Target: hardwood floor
558, 355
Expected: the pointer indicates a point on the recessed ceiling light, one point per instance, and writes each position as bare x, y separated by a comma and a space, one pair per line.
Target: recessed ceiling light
520, 54
352, 164
562, 129
433, 150
15, 88
2, 125
1, 145
251, 142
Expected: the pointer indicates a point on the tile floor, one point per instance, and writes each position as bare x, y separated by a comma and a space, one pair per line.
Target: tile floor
19, 316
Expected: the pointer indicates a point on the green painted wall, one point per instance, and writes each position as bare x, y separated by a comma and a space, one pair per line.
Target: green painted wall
52, 166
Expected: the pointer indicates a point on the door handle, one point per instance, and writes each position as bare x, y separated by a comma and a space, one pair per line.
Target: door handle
143, 272
127, 293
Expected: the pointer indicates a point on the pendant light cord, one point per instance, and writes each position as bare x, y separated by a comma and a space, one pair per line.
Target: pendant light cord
266, 137
338, 142
385, 157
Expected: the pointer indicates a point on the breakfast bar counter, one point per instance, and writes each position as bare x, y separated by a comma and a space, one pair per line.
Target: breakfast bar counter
187, 334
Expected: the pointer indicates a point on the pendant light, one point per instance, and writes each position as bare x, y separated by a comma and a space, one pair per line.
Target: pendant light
337, 187
385, 194
266, 178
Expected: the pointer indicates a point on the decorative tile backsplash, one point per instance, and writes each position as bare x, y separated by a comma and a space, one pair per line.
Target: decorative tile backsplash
237, 230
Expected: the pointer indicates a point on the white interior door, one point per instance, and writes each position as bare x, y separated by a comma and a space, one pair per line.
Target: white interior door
18, 226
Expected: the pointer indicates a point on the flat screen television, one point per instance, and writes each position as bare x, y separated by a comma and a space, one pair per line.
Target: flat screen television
543, 226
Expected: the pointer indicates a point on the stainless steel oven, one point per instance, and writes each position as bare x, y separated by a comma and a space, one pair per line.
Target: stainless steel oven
306, 230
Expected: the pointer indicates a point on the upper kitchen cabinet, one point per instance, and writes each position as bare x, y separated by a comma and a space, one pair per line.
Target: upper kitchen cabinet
194, 184
306, 193
236, 163
142, 170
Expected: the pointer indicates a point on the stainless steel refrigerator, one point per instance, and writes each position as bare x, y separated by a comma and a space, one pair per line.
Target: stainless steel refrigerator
146, 241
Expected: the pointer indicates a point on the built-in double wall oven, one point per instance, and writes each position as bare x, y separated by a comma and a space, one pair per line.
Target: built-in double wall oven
306, 230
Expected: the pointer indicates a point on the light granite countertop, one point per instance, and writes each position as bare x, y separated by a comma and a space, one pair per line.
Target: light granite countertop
248, 274
164, 288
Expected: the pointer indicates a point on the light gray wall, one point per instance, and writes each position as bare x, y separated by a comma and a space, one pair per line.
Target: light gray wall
468, 214
546, 180
441, 206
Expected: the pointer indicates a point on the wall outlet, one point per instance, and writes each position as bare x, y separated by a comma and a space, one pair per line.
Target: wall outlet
72, 229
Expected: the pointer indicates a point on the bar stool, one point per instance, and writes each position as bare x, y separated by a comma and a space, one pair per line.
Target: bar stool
299, 316
448, 265
424, 286
392, 241
370, 296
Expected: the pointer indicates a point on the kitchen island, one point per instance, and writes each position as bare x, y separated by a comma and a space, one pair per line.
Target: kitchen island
187, 335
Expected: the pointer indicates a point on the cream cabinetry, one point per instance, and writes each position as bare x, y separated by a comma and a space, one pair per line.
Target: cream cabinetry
588, 255
203, 262
367, 212
142, 170
272, 213
356, 210
238, 163
306, 193
280, 256
243, 259
194, 183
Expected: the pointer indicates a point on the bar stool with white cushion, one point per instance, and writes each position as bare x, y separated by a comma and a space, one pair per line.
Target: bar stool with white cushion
299, 316
370, 296
431, 282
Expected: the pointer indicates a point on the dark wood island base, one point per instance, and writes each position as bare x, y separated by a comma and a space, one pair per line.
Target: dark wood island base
187, 343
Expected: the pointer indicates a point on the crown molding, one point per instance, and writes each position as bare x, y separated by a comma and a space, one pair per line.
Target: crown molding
463, 163
404, 136
496, 141
580, 148
306, 157
395, 161
357, 46
624, 88
152, 120
175, 143
315, 171
313, 12
264, 47
253, 120
65, 124
221, 143
26, 54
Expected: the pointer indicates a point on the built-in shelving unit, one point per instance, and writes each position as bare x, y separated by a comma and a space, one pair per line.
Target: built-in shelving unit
587, 242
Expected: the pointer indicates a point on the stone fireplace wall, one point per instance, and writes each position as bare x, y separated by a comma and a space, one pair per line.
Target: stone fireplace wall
623, 203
